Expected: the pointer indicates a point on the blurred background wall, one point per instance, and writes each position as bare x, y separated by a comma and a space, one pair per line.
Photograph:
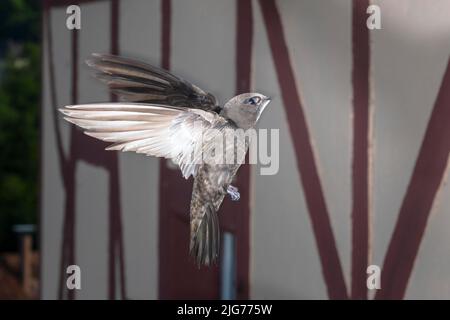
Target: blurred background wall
363, 120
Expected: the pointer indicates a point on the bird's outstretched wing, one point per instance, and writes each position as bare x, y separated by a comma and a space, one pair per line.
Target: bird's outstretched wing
181, 134
135, 81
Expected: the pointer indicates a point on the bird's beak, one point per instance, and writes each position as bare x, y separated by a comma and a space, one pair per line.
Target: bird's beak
264, 104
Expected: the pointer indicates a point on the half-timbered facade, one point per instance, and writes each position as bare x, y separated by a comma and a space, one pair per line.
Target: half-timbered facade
364, 120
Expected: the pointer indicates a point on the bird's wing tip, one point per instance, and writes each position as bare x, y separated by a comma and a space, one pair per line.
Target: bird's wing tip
64, 112
70, 106
95, 59
91, 62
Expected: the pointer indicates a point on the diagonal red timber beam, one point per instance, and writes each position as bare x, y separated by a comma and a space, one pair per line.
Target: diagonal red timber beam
426, 179
315, 200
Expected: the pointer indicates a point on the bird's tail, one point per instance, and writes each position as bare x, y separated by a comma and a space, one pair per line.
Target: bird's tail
205, 237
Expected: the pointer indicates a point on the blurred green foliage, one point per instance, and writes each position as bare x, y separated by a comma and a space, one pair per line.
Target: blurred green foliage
20, 50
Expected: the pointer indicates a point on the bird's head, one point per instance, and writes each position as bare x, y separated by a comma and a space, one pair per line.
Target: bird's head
245, 109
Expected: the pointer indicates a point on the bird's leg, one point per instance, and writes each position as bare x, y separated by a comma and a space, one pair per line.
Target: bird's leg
233, 192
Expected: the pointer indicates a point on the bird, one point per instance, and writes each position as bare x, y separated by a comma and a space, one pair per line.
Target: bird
162, 115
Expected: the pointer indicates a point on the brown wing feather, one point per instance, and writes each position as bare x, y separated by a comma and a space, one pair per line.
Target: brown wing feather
135, 81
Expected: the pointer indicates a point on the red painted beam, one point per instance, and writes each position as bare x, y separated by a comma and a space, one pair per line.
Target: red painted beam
244, 43
318, 212
360, 168
116, 246
63, 160
426, 179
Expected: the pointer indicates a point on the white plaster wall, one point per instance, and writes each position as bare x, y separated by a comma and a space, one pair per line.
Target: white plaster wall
92, 183
409, 57
203, 45
139, 36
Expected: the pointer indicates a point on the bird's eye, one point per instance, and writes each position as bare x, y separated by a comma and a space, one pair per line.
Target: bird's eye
253, 101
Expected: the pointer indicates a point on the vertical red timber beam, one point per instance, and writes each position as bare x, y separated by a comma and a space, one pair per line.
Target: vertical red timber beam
67, 163
116, 248
360, 168
244, 43
315, 200
63, 161
92, 152
166, 16
71, 207
425, 182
